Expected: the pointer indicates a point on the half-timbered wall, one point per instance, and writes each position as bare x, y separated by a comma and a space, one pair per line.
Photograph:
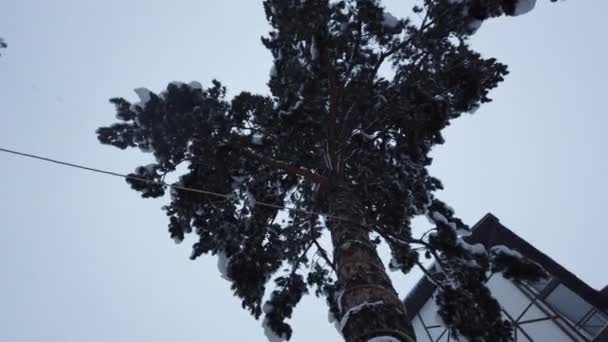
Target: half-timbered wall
547, 311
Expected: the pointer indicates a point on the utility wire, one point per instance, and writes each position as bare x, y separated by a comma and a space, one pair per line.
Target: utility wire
164, 184
200, 191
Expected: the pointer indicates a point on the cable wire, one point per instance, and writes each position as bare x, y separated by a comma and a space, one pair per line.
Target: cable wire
164, 184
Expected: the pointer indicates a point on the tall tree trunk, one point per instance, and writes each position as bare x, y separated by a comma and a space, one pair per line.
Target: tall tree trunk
370, 305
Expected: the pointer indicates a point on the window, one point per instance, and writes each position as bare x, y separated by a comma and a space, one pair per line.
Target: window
579, 312
594, 322
538, 286
568, 303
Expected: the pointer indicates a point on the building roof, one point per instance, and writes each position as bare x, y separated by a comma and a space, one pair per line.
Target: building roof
490, 232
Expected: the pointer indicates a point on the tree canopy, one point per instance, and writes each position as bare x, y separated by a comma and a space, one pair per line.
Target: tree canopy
333, 120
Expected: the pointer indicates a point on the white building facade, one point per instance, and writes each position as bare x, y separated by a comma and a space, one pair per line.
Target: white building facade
561, 309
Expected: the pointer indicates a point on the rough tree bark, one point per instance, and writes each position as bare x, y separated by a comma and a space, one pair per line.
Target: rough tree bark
369, 304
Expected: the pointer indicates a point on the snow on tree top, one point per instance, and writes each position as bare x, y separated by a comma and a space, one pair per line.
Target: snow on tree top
524, 6
144, 95
195, 85
389, 20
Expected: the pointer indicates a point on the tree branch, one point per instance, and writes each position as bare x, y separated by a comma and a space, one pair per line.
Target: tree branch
430, 276
289, 168
334, 96
323, 254
399, 240
301, 258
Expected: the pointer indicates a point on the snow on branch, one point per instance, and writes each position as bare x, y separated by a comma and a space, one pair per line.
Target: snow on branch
270, 334
356, 309
383, 339
476, 249
390, 20
222, 265
502, 249
513, 265
523, 7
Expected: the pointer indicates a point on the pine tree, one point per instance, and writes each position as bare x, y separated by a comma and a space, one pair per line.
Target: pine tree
337, 137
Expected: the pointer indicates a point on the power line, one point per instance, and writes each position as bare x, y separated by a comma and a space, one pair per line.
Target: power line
188, 189
164, 184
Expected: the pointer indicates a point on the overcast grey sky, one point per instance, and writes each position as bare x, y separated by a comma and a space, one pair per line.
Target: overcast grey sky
83, 258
